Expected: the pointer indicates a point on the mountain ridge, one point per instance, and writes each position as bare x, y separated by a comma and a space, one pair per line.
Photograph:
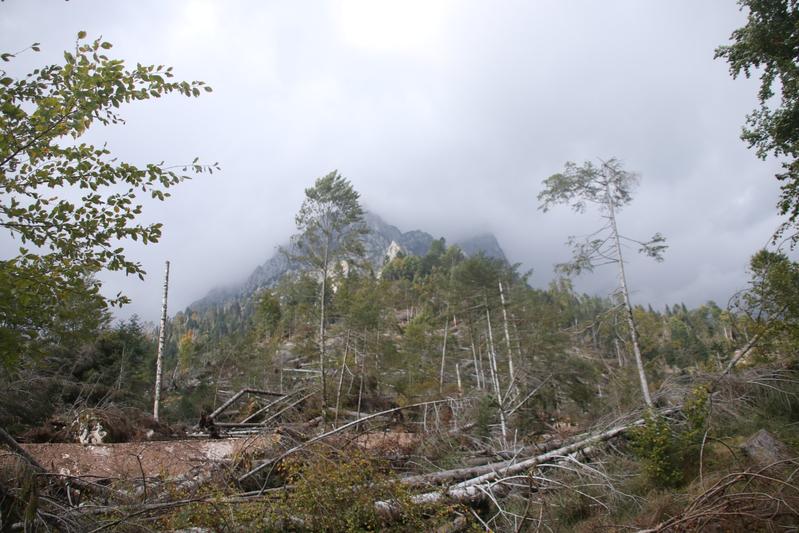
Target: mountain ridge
376, 245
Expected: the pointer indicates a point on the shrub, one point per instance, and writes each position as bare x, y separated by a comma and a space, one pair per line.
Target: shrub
664, 449
654, 443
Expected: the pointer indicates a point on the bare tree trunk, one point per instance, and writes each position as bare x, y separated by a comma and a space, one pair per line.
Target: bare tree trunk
322, 368
281, 369
360, 386
476, 368
443, 356
492, 355
619, 354
507, 333
487, 473
159, 361
341, 377
458, 374
516, 337
626, 297
482, 366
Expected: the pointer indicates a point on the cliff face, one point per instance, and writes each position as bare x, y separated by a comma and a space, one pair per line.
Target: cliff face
382, 240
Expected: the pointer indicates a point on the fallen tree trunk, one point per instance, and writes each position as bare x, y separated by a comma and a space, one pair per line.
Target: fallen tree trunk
339, 429
456, 474
238, 395
270, 405
476, 487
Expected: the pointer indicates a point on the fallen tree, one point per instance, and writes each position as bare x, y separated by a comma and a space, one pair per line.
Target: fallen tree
476, 487
339, 429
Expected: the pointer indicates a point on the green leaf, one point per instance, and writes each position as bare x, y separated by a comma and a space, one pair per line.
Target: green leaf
81, 34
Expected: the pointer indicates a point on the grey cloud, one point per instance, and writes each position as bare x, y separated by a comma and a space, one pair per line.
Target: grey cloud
450, 132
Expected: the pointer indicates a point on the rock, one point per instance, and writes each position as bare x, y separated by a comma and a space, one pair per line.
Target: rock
393, 251
765, 449
383, 239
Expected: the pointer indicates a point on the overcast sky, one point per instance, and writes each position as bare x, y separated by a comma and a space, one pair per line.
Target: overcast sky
445, 115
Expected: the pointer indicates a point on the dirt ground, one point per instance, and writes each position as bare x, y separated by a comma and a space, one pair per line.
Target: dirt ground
129, 459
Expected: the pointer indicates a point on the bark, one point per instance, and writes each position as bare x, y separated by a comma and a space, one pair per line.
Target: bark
161, 338
482, 465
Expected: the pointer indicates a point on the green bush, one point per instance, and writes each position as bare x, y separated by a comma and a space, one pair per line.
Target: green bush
665, 449
654, 443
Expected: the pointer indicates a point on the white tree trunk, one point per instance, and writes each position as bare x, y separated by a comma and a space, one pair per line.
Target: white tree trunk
443, 357
159, 369
507, 334
322, 368
626, 297
492, 356
476, 367
341, 377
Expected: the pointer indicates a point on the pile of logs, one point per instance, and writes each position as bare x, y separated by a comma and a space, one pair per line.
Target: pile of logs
252, 423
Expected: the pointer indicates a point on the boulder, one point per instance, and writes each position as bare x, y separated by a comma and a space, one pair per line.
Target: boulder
765, 449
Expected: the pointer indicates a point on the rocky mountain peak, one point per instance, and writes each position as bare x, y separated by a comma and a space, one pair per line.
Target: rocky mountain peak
383, 241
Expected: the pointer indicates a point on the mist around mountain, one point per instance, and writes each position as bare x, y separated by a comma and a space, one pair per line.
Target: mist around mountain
382, 240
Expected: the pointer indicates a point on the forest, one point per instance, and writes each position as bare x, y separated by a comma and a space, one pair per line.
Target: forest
366, 379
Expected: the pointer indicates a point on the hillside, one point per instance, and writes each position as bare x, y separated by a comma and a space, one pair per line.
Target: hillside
377, 244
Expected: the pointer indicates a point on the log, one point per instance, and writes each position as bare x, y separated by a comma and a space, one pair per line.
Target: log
227, 404
291, 432
263, 392
239, 425
286, 408
485, 465
238, 395
339, 429
270, 405
475, 487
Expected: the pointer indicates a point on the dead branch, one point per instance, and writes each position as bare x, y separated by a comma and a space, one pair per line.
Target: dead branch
348, 425
485, 476
238, 395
